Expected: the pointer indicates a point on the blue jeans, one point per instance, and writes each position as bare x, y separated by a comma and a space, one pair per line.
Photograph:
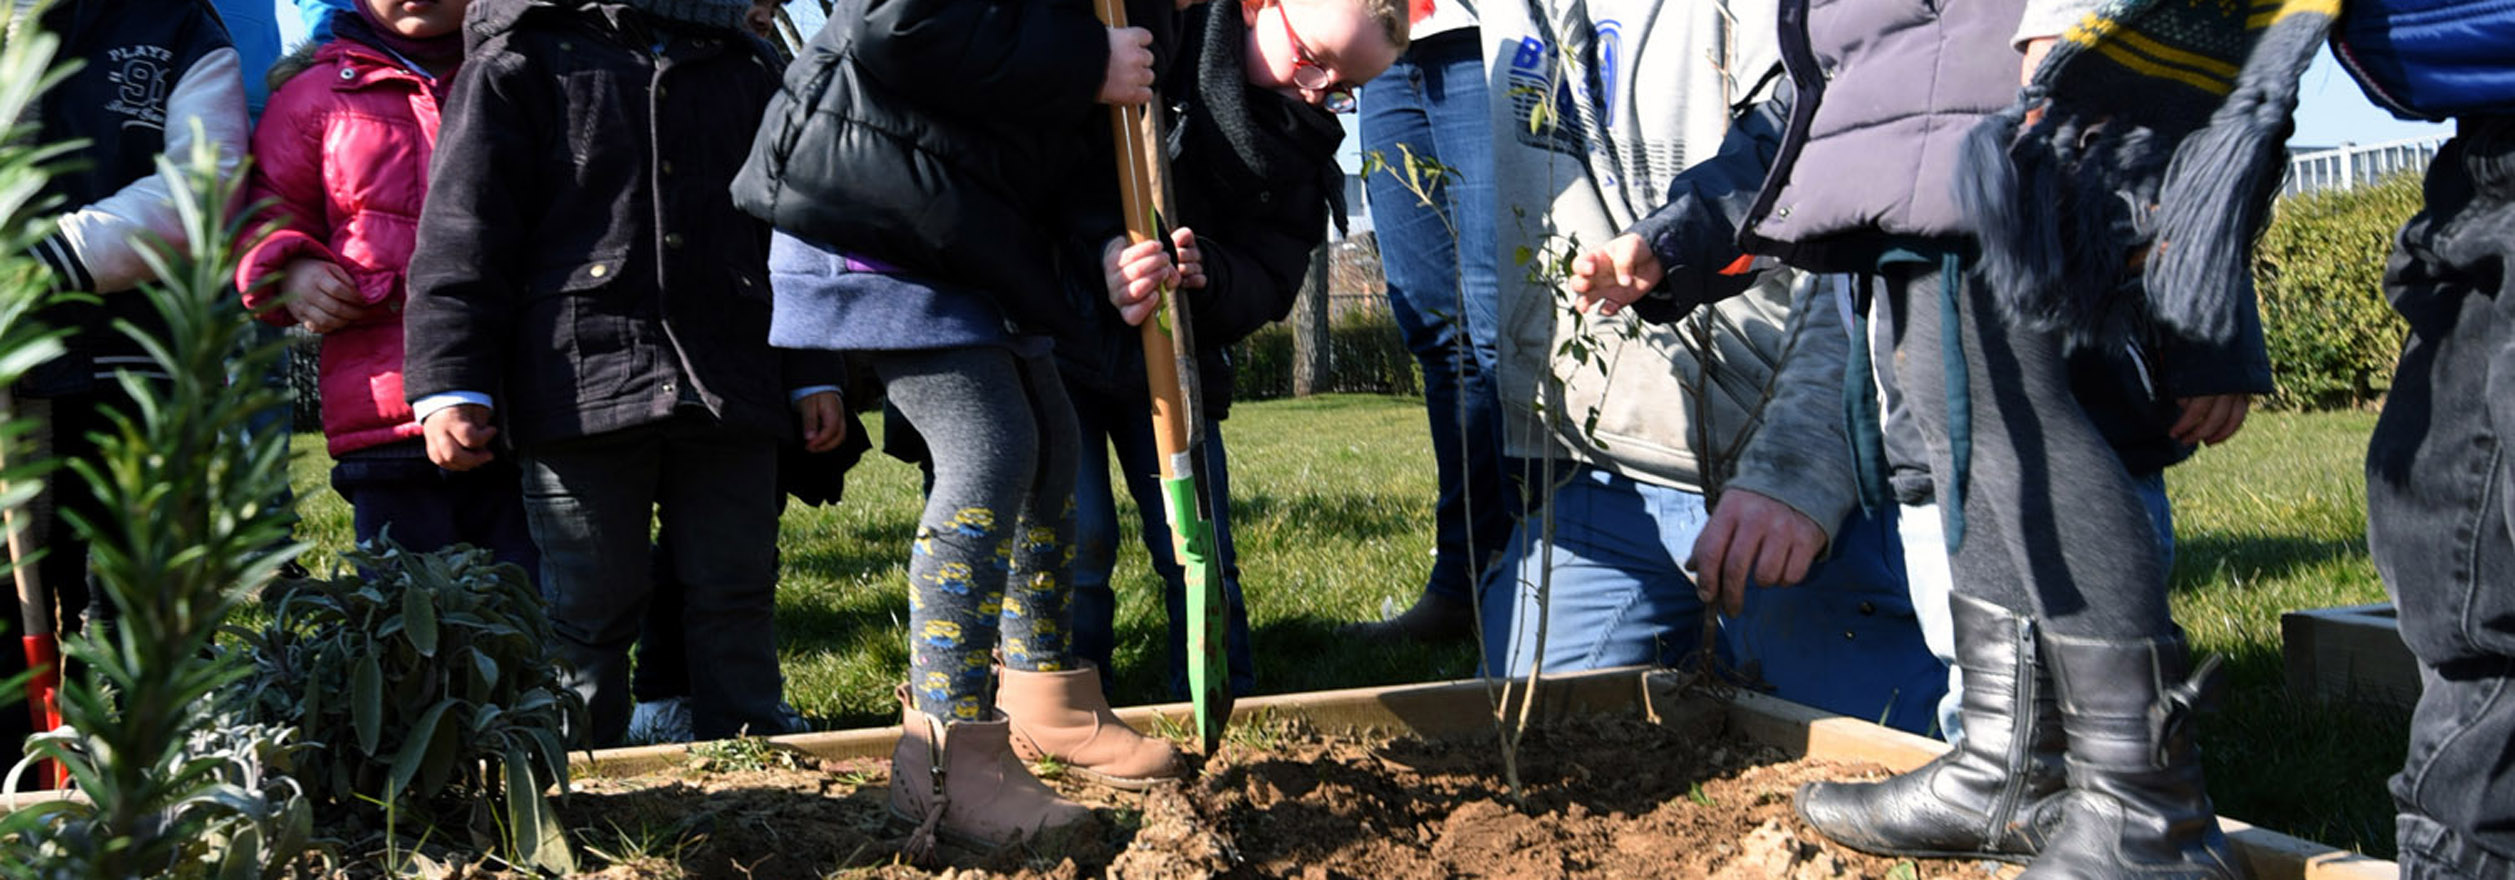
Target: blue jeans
2441, 508
1441, 285
1843, 640
1926, 568
428, 507
592, 502
1126, 425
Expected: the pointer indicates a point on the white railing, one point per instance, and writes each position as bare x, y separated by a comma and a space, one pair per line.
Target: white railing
2350, 165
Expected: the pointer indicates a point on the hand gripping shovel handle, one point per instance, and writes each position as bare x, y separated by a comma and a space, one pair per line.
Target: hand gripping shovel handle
1143, 181
35, 613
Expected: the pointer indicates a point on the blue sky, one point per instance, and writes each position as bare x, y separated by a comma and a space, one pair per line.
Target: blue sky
2331, 110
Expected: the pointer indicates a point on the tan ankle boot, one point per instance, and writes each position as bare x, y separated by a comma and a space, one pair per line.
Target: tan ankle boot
960, 782
1062, 715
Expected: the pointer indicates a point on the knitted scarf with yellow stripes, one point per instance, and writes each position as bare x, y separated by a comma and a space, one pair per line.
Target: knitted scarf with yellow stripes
2149, 172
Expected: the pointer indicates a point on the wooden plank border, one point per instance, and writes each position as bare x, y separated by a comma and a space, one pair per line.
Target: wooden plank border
2352, 652
1465, 708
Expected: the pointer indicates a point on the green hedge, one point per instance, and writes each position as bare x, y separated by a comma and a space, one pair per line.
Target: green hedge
1366, 354
2332, 336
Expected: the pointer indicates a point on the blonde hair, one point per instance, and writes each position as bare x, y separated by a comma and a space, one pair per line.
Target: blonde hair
1392, 16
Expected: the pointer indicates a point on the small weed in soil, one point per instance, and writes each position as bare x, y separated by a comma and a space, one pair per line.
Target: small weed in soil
1606, 798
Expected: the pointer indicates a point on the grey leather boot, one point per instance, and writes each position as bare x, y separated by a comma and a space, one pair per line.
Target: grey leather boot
2137, 808
1978, 799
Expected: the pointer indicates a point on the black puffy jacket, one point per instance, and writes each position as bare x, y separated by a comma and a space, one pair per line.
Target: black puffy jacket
943, 137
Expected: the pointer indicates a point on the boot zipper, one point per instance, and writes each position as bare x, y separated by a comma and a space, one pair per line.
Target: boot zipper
2021, 714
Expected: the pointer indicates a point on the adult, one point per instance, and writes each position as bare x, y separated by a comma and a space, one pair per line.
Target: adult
1634, 430
2438, 479
1427, 121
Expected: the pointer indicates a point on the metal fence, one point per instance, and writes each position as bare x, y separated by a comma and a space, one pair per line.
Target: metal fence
2350, 165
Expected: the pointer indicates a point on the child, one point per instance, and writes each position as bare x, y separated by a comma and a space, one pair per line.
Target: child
2155, 402
581, 269
2060, 578
1442, 294
113, 204
342, 158
1256, 170
2438, 476
661, 681
939, 278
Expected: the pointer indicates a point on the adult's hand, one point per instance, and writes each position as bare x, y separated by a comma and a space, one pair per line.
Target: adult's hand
824, 421
2210, 419
1130, 78
1751, 535
1610, 277
458, 436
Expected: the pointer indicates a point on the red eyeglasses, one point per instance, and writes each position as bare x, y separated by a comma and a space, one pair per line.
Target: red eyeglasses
1308, 73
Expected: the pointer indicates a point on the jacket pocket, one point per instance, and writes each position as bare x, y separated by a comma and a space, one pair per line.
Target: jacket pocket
575, 277
573, 317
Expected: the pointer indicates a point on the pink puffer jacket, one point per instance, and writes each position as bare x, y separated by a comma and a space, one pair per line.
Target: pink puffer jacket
342, 157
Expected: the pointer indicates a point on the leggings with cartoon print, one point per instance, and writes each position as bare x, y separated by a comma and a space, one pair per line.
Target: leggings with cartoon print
988, 566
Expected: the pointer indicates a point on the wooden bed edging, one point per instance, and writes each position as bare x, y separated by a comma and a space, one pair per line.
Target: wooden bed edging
1465, 707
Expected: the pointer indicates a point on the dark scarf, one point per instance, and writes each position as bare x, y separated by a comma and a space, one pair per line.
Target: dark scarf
1246, 137
2163, 121
441, 51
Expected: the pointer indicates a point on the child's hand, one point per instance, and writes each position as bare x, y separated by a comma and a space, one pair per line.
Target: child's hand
1130, 79
1137, 273
319, 295
2210, 419
824, 421
1609, 278
458, 436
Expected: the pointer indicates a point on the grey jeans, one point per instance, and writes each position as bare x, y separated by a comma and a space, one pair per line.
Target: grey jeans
592, 503
2440, 500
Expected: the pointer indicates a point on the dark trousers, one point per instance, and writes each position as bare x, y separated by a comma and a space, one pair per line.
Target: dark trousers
593, 503
1125, 425
426, 507
2440, 504
2055, 527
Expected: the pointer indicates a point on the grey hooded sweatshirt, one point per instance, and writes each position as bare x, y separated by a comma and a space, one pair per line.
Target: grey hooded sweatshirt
1596, 106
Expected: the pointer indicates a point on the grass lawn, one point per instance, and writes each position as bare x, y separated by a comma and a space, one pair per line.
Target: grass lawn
1332, 516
